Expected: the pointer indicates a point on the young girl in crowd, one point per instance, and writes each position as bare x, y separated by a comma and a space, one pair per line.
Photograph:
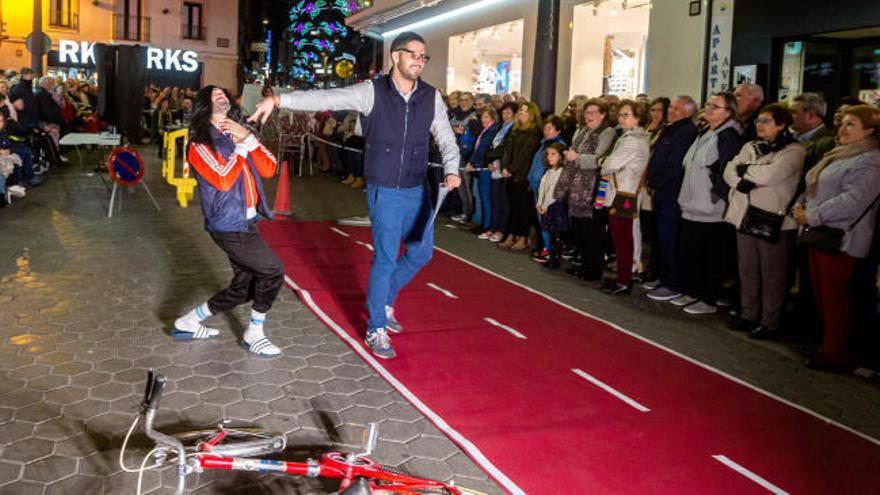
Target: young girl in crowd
553, 214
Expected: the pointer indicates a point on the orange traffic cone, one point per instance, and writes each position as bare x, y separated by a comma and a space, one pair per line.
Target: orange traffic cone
282, 194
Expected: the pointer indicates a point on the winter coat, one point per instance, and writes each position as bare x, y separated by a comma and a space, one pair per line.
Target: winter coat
775, 174
701, 198
517, 156
627, 162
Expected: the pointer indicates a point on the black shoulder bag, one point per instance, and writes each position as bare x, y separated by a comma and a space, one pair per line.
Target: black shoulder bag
828, 239
762, 224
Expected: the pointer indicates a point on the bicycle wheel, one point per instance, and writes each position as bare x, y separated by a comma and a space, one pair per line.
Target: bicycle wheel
239, 442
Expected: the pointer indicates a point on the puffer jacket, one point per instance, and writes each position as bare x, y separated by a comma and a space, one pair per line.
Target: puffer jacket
627, 162
700, 198
775, 175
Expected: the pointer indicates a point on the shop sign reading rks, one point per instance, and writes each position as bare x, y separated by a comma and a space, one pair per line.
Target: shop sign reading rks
74, 52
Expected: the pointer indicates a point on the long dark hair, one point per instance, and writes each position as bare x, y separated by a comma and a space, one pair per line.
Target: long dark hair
203, 108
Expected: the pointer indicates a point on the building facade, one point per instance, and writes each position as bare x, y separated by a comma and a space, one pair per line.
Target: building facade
175, 28
658, 47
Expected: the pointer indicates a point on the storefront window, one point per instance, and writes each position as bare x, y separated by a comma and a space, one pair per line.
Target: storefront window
487, 60
608, 49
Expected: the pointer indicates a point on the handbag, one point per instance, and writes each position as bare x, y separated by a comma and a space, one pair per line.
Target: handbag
828, 239
762, 224
624, 205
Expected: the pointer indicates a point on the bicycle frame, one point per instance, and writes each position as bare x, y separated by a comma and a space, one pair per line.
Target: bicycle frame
349, 469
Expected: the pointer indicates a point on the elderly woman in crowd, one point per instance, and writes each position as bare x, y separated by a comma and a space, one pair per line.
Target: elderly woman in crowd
626, 166
577, 186
842, 194
657, 112
764, 175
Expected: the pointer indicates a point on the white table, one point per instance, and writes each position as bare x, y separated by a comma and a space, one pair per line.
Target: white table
102, 139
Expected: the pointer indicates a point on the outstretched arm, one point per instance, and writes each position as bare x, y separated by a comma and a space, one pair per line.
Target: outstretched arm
358, 98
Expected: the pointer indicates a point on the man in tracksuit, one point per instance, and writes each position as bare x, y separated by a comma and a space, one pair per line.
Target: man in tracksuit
228, 161
399, 112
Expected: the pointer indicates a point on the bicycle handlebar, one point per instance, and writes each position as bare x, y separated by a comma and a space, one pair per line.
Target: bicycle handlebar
155, 386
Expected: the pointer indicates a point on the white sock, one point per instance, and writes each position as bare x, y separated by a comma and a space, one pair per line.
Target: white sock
254, 330
192, 321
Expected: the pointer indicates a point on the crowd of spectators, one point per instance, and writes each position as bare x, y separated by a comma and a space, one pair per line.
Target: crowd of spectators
34, 114
713, 210
166, 109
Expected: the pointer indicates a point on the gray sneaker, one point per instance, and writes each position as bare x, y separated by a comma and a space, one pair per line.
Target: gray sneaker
391, 322
683, 300
701, 308
380, 343
653, 284
663, 294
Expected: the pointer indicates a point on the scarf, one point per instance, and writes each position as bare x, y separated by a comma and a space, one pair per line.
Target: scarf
839, 152
499, 136
782, 140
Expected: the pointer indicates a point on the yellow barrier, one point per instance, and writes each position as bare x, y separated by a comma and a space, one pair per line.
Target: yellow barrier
184, 183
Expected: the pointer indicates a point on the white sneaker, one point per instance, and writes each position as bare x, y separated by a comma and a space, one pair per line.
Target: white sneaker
683, 300
64, 159
16, 191
391, 322
653, 284
700, 308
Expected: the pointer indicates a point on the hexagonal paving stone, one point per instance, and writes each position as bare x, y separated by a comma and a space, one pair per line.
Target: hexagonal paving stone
304, 389
289, 406
48, 382
82, 445
314, 374
263, 393
111, 391
196, 384
253, 366
58, 429
29, 449
175, 372
175, 400
71, 369
23, 488
332, 402
401, 412
66, 395
372, 398
109, 423
202, 415
30, 371
133, 375
323, 361
37, 413
91, 379
247, 410
290, 363
6, 414
56, 358
9, 472
10, 432
212, 369
80, 484
222, 396
432, 447
151, 361
342, 386
113, 365
397, 431
275, 377
361, 415
50, 469
352, 371
85, 409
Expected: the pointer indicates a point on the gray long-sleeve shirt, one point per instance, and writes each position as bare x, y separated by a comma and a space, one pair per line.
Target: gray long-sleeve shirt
360, 98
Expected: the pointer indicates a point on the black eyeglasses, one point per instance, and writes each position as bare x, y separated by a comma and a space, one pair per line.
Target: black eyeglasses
415, 55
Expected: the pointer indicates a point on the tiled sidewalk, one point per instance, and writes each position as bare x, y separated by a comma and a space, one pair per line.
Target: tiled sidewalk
86, 307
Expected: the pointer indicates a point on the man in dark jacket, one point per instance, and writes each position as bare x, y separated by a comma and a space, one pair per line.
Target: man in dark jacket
664, 182
749, 98
22, 97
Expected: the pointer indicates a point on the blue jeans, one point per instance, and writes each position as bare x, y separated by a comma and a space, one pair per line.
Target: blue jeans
485, 201
395, 215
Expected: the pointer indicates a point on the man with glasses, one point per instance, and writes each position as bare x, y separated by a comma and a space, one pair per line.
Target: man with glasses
399, 112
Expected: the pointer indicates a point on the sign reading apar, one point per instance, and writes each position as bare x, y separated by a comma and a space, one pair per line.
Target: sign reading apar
74, 52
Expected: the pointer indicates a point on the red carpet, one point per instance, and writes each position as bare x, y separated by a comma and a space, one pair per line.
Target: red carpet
551, 401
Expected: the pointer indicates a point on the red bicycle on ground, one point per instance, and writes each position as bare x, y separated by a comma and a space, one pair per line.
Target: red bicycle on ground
236, 449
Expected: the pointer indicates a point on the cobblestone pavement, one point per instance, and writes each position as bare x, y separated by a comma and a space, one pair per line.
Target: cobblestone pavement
87, 303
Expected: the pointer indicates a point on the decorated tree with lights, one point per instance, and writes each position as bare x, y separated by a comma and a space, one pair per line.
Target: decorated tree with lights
316, 29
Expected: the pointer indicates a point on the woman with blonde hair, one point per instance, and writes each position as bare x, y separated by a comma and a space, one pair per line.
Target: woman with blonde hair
515, 162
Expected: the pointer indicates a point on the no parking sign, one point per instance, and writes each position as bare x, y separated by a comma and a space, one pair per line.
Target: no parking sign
125, 166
